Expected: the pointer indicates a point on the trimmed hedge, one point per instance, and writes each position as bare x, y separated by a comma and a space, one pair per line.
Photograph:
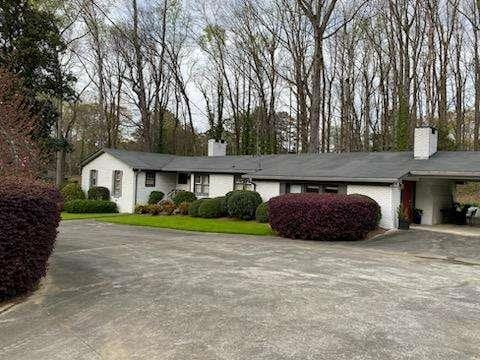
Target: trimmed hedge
261, 215
90, 207
72, 191
183, 196
155, 197
99, 193
323, 216
211, 208
29, 216
243, 204
193, 207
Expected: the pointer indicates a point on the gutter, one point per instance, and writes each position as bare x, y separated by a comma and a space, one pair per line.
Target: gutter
136, 171
322, 179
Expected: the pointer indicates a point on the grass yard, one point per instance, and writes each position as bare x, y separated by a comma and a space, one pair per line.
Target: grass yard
68, 216
179, 222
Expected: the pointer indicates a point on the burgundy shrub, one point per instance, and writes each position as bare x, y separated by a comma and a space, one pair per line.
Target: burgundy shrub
323, 216
29, 217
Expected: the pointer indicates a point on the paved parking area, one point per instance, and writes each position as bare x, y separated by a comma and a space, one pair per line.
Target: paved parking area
118, 292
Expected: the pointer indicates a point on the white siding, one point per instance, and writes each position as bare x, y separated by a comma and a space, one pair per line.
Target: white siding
432, 196
295, 188
388, 197
267, 189
164, 182
106, 164
220, 184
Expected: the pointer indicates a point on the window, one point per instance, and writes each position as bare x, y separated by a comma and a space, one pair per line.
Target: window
312, 188
240, 183
117, 183
150, 179
93, 178
182, 179
333, 189
202, 184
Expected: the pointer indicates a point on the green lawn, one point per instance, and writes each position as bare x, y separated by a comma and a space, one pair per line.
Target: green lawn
230, 226
68, 216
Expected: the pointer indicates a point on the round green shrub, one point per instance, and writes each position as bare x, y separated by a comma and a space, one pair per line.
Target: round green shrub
261, 215
194, 206
223, 205
98, 193
183, 196
72, 191
155, 197
210, 208
90, 206
243, 204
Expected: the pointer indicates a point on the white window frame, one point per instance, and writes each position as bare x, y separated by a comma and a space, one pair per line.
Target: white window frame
240, 183
147, 183
93, 181
117, 183
201, 185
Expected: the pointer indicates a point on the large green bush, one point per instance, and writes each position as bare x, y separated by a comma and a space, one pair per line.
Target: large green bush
98, 193
155, 197
211, 208
72, 191
183, 196
261, 215
193, 207
90, 206
243, 204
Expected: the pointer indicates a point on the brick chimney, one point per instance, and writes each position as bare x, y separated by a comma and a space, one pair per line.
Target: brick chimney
425, 142
217, 147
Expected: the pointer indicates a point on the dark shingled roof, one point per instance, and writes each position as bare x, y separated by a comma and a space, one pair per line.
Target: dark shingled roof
384, 167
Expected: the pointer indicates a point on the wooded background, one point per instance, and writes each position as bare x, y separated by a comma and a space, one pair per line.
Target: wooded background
268, 76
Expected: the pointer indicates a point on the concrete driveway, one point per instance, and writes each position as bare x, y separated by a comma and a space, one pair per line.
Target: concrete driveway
118, 292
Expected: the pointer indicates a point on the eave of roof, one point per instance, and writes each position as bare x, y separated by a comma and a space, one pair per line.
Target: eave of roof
322, 178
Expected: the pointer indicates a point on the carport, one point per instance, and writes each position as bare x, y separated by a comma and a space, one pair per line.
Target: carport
433, 192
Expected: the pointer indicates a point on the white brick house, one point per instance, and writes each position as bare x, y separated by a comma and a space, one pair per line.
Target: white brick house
423, 178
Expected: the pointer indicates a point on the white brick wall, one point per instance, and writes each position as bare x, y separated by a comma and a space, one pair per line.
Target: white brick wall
164, 182
425, 142
220, 184
267, 189
388, 197
105, 164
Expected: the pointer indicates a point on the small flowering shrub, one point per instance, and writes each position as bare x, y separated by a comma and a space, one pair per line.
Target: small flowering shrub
323, 216
29, 216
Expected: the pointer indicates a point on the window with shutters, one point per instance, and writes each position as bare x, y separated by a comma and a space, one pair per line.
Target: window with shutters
93, 178
117, 183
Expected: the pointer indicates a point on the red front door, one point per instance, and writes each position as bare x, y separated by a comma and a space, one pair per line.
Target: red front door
408, 194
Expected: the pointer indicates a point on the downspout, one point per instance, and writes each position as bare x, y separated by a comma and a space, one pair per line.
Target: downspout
136, 171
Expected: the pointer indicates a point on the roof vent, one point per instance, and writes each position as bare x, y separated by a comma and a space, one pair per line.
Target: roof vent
425, 142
